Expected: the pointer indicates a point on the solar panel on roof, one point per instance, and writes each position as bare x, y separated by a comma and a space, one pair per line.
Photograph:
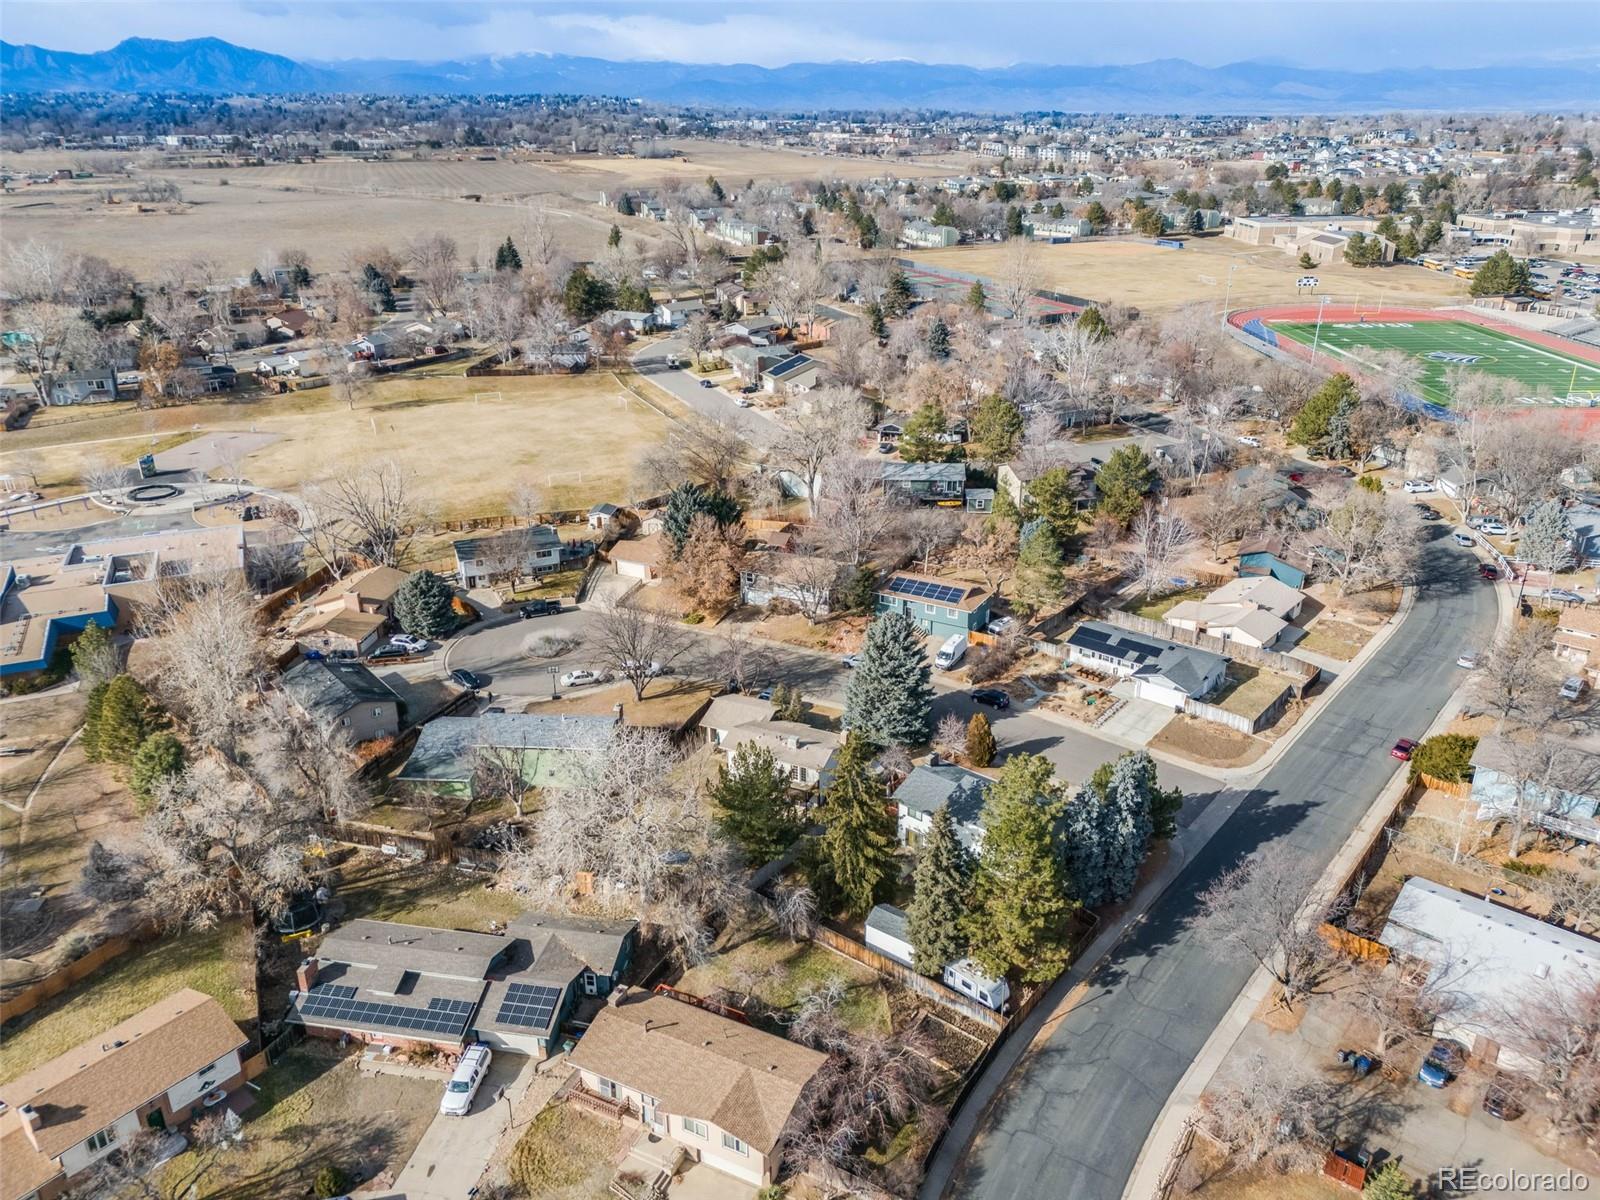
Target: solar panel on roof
337, 990
926, 589
447, 1017
528, 1004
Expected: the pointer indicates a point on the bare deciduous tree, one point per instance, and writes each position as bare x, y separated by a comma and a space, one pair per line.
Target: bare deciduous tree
990, 550
375, 510
1269, 1113
854, 511
1517, 679
209, 652
51, 336
698, 449
1367, 541
1158, 540
1018, 279
636, 643
135, 1167
816, 433
498, 773
1555, 1024
436, 270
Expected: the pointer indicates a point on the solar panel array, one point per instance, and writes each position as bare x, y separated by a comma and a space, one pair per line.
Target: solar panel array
447, 1017
926, 589
528, 1004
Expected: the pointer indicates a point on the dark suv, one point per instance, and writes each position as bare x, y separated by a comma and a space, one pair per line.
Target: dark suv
540, 608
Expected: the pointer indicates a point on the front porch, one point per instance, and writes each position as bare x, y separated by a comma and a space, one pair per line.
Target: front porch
657, 1167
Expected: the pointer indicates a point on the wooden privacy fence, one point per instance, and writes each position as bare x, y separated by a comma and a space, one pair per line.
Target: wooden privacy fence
1238, 721
1458, 788
840, 943
59, 980
1353, 945
1302, 674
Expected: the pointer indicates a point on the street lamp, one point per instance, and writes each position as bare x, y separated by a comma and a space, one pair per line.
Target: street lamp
1317, 338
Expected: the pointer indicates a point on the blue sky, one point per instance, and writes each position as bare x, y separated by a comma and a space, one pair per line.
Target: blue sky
981, 33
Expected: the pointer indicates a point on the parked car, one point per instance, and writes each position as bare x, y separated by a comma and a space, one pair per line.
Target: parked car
467, 679
412, 643
581, 677
1492, 525
706, 383
1444, 1063
540, 608
466, 1081
390, 651
650, 670
1246, 439
1429, 513
1503, 1100
1419, 485
1563, 595
1342, 471
742, 401
1402, 749
992, 698
1573, 687
885, 447
1488, 572
1468, 661
1464, 539
21, 497
999, 625
851, 660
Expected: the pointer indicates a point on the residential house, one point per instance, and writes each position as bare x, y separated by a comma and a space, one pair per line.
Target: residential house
551, 748
94, 385
1272, 555
1278, 494
1014, 477
632, 322
380, 344
797, 373
1487, 957
674, 314
639, 558
381, 981
347, 695
750, 362
940, 607
350, 615
924, 235
1570, 810
928, 789
759, 331
803, 580
1252, 610
1585, 534
290, 323
157, 1069
283, 365
805, 754
718, 1087
507, 556
1577, 641
1164, 672
930, 482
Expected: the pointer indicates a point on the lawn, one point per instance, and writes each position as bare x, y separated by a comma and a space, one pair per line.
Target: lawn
1336, 639
218, 962
1249, 689
315, 1110
762, 964
555, 585
385, 889
1437, 345
567, 1154
1159, 606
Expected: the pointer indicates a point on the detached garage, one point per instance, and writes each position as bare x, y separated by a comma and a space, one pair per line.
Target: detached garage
887, 934
640, 558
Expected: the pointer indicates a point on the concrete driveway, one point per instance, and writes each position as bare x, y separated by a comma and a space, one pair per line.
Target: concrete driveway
454, 1151
1137, 721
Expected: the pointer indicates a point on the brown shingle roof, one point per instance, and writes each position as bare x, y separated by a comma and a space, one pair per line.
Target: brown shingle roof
377, 584
699, 1064
86, 1089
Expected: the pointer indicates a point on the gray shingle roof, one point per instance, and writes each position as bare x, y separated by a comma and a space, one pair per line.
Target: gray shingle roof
512, 543
388, 945
929, 472
332, 687
927, 788
887, 919
444, 748
1185, 667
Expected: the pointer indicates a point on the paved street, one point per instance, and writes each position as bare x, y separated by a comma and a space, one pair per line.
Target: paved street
1071, 1119
651, 360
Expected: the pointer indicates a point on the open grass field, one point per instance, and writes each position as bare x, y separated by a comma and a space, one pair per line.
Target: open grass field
1438, 345
1154, 279
470, 442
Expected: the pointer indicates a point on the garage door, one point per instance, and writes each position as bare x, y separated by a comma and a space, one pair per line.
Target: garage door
517, 1043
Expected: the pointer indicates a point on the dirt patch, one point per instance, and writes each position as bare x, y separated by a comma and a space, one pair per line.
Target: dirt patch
1336, 639
1208, 744
568, 1154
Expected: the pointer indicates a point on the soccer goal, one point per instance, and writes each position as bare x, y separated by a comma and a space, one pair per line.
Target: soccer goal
480, 397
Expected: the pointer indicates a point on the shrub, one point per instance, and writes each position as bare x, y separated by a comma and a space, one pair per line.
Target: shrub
158, 756
330, 1181
980, 741
1447, 757
1531, 869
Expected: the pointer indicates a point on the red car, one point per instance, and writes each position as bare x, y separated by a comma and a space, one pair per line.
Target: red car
1488, 571
1402, 749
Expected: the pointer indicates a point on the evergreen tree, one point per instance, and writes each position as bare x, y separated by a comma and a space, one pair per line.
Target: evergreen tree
1053, 499
939, 904
939, 339
897, 295
1128, 822
256, 278
919, 442
1057, 211
378, 286
94, 656
788, 703
858, 837
506, 257
1388, 1182
585, 297
122, 721
422, 605
1310, 427
943, 214
158, 756
715, 188
1014, 228
1019, 893
860, 590
1093, 323
753, 807
980, 741
890, 695
808, 224
875, 321
1127, 477
1095, 213
869, 232
625, 205
92, 706
614, 238
997, 427
686, 502
977, 298
1040, 582
1547, 538
1306, 262
1501, 275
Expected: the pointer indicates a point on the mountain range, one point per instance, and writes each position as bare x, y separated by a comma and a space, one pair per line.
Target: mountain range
215, 67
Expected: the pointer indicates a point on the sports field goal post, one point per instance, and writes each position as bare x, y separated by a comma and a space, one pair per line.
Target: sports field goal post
492, 397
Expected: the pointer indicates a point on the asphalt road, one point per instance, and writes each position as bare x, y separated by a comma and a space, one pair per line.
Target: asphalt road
756, 427
1071, 1119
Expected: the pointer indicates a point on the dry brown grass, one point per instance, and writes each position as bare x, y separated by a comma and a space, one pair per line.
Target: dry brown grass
1157, 280
1207, 743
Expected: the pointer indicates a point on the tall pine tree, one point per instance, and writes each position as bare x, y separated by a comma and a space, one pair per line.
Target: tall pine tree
1109, 825
753, 807
506, 257
1020, 902
1128, 797
120, 722
889, 700
422, 605
939, 905
858, 837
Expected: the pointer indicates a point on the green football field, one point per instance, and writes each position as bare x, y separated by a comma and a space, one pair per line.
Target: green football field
1438, 345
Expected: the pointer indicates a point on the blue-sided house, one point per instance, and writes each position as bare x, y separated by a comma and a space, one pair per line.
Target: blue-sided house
1272, 556
940, 606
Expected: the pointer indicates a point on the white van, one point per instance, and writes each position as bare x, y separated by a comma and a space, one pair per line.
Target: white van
952, 652
464, 1084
